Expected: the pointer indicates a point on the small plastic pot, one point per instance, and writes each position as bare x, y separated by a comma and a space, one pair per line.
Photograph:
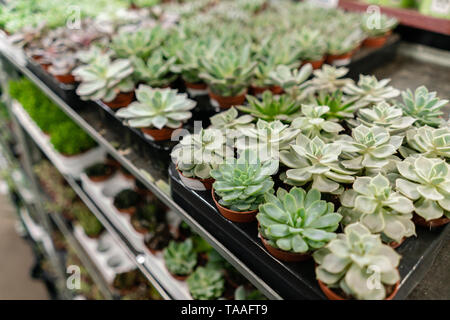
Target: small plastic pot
395, 244
103, 177
228, 102
284, 255
196, 86
255, 90
196, 184
65, 78
376, 42
316, 64
340, 59
158, 134
130, 211
331, 295
435, 223
123, 99
276, 90
235, 216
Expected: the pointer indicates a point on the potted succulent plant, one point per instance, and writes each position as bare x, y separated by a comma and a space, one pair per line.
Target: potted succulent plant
206, 284
147, 218
340, 106
157, 112
228, 73
99, 172
90, 224
345, 265
378, 29
106, 80
426, 182
328, 79
373, 203
241, 185
313, 47
229, 122
159, 238
62, 67
427, 141
317, 162
180, 258
138, 43
424, 106
341, 48
156, 71
293, 224
197, 154
272, 107
292, 80
126, 201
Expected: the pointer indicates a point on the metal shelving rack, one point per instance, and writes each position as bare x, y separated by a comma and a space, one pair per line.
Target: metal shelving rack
159, 187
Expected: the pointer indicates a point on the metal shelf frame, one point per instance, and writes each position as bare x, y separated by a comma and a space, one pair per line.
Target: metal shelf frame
142, 175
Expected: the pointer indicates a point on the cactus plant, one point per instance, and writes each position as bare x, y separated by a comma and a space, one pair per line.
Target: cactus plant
297, 221
427, 141
317, 162
347, 264
267, 139
369, 91
242, 183
369, 147
272, 108
312, 123
423, 106
104, 79
157, 108
180, 257
206, 283
373, 203
386, 116
426, 181
197, 154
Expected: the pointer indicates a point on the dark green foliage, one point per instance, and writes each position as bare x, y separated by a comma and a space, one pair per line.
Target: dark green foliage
69, 139
148, 216
90, 224
98, 170
126, 199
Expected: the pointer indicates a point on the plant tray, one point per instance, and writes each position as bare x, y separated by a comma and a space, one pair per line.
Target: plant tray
294, 280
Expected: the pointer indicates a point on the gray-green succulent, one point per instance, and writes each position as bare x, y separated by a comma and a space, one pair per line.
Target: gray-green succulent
197, 154
230, 123
292, 80
138, 43
206, 283
328, 79
423, 106
157, 108
426, 181
353, 260
104, 79
427, 141
374, 203
378, 27
180, 257
242, 183
156, 71
297, 221
317, 162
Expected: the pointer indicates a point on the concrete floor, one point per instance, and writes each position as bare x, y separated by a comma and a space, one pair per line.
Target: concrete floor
17, 260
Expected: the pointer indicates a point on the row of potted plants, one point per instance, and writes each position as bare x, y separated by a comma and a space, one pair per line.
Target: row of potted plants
341, 155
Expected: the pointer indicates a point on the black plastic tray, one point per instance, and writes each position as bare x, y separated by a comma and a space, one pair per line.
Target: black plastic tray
294, 280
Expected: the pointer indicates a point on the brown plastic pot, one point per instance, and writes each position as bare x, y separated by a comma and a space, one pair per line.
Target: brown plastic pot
159, 134
179, 278
192, 182
276, 90
376, 42
130, 211
331, 295
331, 58
255, 90
65, 78
45, 66
100, 178
316, 64
235, 216
395, 244
284, 255
228, 102
196, 86
435, 223
123, 99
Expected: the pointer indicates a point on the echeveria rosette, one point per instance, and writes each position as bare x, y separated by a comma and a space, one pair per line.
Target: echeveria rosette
230, 123
206, 283
313, 123
426, 181
242, 183
104, 79
297, 221
374, 203
329, 79
369, 148
292, 80
180, 257
427, 141
369, 90
272, 107
157, 108
423, 106
266, 139
156, 71
197, 154
350, 261
379, 27
317, 162
386, 116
